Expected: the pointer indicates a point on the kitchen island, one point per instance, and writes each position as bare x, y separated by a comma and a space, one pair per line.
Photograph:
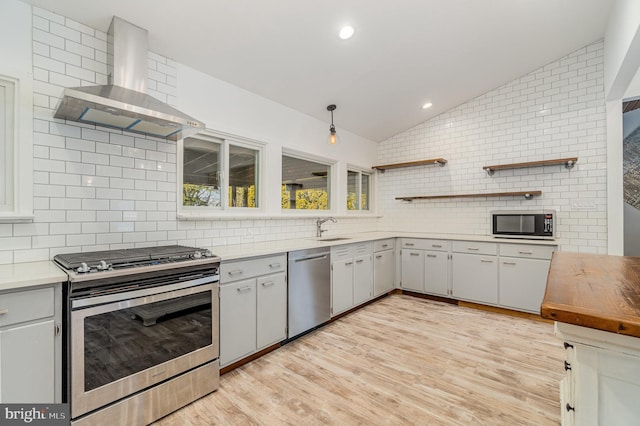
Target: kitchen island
595, 301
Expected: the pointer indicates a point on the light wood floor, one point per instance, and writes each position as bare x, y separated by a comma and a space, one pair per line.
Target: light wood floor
399, 361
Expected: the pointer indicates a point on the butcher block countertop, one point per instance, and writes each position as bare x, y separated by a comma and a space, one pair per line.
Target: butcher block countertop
595, 291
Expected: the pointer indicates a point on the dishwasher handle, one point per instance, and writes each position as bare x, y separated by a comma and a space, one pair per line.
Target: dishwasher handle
317, 256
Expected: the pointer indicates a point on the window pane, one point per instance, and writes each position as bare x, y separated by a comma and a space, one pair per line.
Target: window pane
243, 177
364, 194
7, 123
305, 184
352, 190
201, 174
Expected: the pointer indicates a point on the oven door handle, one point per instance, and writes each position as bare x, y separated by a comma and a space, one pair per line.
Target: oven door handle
127, 295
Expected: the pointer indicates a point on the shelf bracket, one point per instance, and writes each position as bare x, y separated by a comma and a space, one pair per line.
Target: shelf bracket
528, 196
569, 164
440, 163
490, 172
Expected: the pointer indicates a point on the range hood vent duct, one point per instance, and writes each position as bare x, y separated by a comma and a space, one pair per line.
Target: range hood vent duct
123, 103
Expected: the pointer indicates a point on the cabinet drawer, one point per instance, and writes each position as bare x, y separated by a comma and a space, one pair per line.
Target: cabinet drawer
26, 306
347, 251
426, 244
530, 251
474, 247
387, 244
243, 269
363, 248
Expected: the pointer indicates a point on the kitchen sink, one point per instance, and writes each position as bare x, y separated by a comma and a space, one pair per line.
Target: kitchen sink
333, 239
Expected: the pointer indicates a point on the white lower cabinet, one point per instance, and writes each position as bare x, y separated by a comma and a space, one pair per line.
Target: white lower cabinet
384, 271
602, 377
436, 272
523, 275
475, 278
412, 266
253, 311
351, 276
30, 345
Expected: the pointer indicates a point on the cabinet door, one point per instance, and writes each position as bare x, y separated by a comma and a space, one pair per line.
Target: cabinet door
362, 279
27, 363
522, 283
237, 320
475, 278
271, 310
412, 264
341, 286
436, 272
383, 272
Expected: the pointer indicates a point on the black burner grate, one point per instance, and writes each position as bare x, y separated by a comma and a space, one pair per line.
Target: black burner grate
125, 256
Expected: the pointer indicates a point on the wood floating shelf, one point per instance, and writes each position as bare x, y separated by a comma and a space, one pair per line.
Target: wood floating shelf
439, 161
568, 163
528, 195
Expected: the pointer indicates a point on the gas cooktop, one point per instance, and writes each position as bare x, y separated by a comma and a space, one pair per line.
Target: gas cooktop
144, 257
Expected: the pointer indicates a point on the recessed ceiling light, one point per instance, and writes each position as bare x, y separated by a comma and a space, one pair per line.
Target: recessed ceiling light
427, 105
346, 32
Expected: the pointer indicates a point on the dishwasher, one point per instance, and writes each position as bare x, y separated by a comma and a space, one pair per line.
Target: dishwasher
309, 289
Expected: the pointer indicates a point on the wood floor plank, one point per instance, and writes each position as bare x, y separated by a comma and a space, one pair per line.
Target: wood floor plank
399, 361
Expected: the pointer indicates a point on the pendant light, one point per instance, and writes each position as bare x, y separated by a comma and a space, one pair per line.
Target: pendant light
333, 137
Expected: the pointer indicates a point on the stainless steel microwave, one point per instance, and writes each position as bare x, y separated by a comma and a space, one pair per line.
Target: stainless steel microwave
531, 224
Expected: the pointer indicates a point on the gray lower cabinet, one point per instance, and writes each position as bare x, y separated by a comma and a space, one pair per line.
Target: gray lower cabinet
253, 311
362, 279
412, 265
384, 271
436, 272
351, 276
30, 345
475, 278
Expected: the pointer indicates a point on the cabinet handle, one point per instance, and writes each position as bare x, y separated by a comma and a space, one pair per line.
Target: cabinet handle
409, 244
348, 264
385, 245
235, 272
359, 261
4, 311
414, 254
473, 248
431, 255
569, 408
56, 330
568, 345
436, 245
268, 283
274, 265
525, 252
486, 261
378, 256
244, 289
509, 263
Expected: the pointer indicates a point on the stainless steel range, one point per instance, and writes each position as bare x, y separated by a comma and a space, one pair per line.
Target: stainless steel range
142, 332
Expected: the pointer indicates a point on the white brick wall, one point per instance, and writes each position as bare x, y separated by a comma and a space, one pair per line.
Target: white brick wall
98, 189
556, 111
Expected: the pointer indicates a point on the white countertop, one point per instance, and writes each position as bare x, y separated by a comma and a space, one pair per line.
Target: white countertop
238, 251
18, 276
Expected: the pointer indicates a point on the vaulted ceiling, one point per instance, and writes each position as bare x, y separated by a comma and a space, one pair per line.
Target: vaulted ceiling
404, 53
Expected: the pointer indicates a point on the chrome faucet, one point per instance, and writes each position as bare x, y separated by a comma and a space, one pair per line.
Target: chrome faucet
319, 223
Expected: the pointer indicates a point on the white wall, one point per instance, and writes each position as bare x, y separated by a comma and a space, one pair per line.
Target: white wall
98, 189
556, 111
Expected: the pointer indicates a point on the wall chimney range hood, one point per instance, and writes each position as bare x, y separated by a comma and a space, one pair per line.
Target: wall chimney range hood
123, 103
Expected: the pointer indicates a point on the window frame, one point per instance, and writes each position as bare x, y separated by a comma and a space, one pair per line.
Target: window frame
331, 186
225, 141
360, 171
20, 207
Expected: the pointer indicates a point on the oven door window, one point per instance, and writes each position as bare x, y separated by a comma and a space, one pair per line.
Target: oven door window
124, 342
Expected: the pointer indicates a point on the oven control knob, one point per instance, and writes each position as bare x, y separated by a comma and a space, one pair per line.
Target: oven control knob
197, 255
83, 268
103, 266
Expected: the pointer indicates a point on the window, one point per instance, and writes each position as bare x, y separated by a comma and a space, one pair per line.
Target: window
219, 173
306, 183
16, 149
358, 190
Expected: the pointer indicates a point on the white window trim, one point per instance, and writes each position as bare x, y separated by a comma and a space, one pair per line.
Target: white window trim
203, 212
372, 182
21, 209
333, 196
